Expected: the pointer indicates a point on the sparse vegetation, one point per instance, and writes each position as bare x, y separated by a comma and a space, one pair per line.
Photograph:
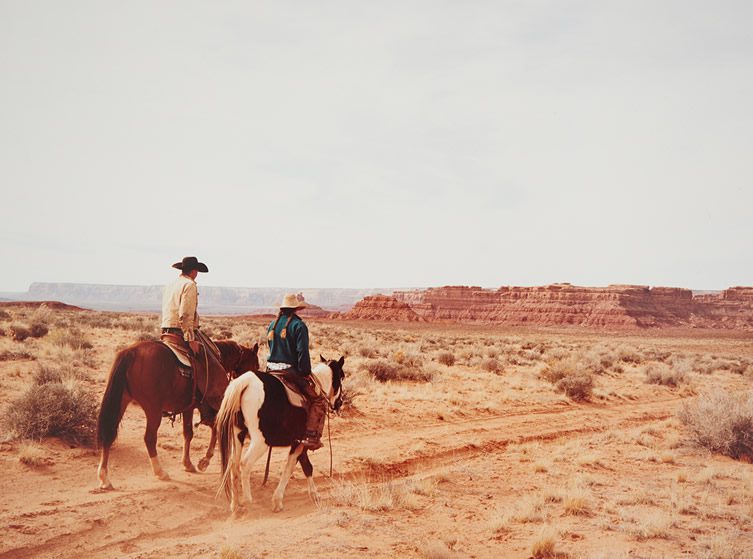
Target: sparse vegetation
54, 409
384, 371
661, 373
721, 422
446, 358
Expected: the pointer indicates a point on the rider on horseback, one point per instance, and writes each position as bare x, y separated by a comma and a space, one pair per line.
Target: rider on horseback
288, 338
180, 301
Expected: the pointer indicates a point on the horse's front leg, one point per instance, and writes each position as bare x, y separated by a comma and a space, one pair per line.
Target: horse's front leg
308, 471
279, 493
187, 437
204, 462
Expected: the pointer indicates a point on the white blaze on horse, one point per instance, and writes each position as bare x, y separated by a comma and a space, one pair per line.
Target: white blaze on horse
257, 404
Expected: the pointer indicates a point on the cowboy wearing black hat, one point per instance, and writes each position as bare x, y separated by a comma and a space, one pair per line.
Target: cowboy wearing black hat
180, 301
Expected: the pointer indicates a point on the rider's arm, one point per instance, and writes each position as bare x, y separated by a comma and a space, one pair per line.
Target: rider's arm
302, 349
187, 311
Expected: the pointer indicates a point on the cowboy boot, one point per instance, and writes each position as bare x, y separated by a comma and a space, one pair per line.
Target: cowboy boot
317, 411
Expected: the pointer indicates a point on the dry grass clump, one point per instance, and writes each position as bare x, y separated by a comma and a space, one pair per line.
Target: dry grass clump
54, 409
33, 455
73, 338
436, 549
544, 546
446, 358
18, 332
492, 365
5, 315
384, 371
661, 373
721, 422
378, 496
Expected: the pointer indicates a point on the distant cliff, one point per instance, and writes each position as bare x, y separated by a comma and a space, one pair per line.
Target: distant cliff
230, 300
615, 306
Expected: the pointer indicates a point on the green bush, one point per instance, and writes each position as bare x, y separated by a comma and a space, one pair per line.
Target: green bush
64, 410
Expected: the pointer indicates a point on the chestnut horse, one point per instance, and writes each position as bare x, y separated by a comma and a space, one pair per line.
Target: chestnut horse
147, 373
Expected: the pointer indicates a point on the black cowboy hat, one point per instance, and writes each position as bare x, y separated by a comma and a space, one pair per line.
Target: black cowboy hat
190, 263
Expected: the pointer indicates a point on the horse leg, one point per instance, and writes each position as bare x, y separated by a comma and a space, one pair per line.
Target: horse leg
187, 436
308, 471
204, 462
102, 470
235, 472
153, 420
279, 493
254, 451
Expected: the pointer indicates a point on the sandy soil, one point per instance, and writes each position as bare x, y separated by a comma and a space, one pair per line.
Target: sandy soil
471, 464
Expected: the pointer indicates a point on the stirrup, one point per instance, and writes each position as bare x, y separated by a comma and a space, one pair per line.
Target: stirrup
311, 442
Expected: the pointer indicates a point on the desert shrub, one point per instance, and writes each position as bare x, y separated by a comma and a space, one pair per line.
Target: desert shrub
64, 410
721, 422
19, 333
492, 365
33, 455
628, 354
15, 356
367, 351
576, 387
661, 373
42, 315
384, 371
4, 315
408, 358
46, 375
38, 330
446, 358
73, 338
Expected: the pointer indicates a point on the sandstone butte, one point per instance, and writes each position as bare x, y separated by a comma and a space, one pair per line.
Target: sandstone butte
562, 304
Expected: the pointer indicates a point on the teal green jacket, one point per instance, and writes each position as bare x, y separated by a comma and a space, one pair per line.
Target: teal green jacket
294, 348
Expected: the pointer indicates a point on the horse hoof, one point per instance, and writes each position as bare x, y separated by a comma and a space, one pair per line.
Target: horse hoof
106, 486
203, 463
277, 507
190, 469
163, 476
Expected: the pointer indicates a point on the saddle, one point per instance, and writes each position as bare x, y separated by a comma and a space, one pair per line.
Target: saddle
295, 398
178, 347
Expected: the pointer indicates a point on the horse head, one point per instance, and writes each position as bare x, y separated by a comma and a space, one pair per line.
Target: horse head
336, 394
237, 359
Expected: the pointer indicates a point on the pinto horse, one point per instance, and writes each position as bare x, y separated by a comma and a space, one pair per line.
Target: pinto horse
147, 373
256, 403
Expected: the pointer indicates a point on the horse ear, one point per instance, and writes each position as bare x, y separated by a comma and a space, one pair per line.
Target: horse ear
256, 347
342, 361
322, 358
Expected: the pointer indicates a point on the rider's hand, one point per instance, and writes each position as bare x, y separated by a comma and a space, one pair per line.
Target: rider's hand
195, 346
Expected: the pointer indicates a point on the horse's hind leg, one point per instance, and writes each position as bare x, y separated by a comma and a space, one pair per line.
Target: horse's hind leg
187, 436
153, 420
279, 493
254, 451
102, 470
308, 471
204, 462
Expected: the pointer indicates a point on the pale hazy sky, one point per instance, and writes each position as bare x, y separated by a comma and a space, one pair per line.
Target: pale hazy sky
356, 144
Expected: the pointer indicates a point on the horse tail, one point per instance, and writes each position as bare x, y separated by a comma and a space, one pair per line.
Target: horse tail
109, 411
224, 422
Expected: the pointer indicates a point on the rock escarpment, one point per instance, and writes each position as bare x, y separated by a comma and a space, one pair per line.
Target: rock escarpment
381, 307
614, 306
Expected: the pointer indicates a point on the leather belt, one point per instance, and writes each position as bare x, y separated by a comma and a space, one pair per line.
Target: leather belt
173, 331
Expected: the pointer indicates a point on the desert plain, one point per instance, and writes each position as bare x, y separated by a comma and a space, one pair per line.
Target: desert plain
456, 440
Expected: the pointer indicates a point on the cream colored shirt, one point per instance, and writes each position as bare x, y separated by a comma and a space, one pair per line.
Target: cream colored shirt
179, 306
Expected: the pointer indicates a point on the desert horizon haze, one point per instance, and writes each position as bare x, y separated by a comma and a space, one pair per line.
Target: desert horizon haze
417, 143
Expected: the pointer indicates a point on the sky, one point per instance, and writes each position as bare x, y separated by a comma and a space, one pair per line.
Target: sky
377, 144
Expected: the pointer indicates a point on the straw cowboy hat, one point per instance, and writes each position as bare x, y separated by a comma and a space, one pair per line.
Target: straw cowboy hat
291, 301
190, 263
